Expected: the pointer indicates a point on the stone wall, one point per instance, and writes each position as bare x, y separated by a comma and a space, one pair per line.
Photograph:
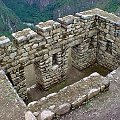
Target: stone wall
84, 54
70, 97
108, 36
12, 106
108, 43
93, 36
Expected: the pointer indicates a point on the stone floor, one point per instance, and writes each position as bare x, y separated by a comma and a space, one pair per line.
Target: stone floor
105, 106
73, 76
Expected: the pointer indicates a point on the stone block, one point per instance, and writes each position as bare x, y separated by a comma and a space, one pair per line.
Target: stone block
67, 20
46, 115
106, 82
102, 87
79, 101
35, 46
93, 92
62, 109
36, 114
29, 116
4, 41
24, 35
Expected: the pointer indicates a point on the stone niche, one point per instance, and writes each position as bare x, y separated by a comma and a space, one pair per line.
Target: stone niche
92, 36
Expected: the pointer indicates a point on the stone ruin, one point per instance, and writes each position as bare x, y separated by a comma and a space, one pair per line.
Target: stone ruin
87, 37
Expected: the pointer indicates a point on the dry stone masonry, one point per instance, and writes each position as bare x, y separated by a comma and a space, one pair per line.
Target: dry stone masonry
70, 97
92, 37
12, 106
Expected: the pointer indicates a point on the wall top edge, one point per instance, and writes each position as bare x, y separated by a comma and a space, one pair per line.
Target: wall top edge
24, 35
101, 13
48, 25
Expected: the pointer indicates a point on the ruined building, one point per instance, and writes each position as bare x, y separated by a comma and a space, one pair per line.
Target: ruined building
87, 37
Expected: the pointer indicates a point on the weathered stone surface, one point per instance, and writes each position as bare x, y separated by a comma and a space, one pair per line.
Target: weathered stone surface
93, 92
102, 88
24, 35
36, 114
106, 83
79, 101
31, 104
62, 109
71, 96
12, 55
104, 106
46, 115
29, 116
67, 19
11, 105
4, 41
